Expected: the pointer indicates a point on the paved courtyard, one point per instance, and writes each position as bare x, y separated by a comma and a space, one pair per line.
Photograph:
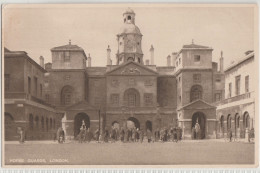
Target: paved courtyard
185, 152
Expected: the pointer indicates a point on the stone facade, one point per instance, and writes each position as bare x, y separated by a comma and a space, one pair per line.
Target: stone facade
149, 96
237, 110
24, 99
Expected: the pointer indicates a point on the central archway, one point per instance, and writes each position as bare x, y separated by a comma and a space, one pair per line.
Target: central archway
199, 118
78, 121
132, 123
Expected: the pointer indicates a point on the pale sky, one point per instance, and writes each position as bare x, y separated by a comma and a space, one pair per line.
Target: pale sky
37, 29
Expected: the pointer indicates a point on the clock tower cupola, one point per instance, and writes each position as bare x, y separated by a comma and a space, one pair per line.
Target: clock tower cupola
129, 40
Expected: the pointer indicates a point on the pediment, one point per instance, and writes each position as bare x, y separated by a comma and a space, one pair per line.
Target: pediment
83, 105
198, 105
132, 68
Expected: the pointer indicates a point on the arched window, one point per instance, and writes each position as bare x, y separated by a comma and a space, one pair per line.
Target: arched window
42, 122
31, 122
37, 122
54, 123
222, 121
50, 123
47, 124
195, 93
228, 121
66, 95
128, 17
246, 120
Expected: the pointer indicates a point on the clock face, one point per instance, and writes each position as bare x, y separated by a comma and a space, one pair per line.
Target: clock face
130, 45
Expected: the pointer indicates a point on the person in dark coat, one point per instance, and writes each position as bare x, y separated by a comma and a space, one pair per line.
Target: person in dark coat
149, 135
175, 137
141, 135
113, 134
62, 136
122, 134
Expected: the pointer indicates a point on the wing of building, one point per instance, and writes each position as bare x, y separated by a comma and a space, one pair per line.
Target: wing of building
134, 92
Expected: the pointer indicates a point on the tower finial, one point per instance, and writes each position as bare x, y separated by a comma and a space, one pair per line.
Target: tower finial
69, 41
221, 53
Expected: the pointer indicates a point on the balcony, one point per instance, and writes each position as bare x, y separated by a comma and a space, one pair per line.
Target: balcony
25, 96
247, 95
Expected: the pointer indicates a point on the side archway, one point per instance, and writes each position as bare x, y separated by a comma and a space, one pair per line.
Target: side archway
200, 119
80, 120
9, 126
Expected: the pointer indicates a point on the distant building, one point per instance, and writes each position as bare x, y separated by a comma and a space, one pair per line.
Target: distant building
237, 110
134, 92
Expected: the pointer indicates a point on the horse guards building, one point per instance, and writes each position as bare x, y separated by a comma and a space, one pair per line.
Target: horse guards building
191, 88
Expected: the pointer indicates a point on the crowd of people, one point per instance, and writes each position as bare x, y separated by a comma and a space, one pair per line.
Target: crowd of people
130, 135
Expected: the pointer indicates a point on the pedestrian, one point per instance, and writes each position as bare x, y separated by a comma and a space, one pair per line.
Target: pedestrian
175, 137
97, 135
122, 134
113, 134
157, 134
62, 136
141, 135
21, 135
134, 134
149, 135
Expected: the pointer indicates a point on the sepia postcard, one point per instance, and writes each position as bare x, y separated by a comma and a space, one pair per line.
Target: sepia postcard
110, 85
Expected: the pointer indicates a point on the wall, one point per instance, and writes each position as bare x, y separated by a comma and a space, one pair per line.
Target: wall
77, 60
57, 79
15, 68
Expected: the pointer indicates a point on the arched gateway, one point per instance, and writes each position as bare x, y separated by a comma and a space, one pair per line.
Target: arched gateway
78, 121
133, 122
199, 118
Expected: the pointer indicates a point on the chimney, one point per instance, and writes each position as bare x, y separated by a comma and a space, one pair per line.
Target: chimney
168, 60
221, 63
152, 55
174, 54
147, 62
109, 61
41, 61
89, 60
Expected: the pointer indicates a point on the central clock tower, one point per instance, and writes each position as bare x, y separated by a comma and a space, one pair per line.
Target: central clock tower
129, 40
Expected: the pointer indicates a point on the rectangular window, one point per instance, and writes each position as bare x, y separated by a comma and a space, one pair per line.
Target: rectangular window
230, 90
247, 84
41, 90
196, 58
237, 85
7, 82
67, 99
67, 56
196, 78
114, 99
148, 99
47, 97
29, 85
35, 85
131, 100
217, 97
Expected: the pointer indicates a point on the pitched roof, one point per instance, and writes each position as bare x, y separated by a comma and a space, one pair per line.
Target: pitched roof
239, 61
132, 62
67, 47
195, 46
198, 104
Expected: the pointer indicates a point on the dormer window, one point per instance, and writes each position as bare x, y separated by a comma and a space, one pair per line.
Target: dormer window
196, 58
67, 56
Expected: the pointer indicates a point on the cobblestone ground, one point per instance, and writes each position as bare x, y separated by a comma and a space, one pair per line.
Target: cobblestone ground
72, 153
